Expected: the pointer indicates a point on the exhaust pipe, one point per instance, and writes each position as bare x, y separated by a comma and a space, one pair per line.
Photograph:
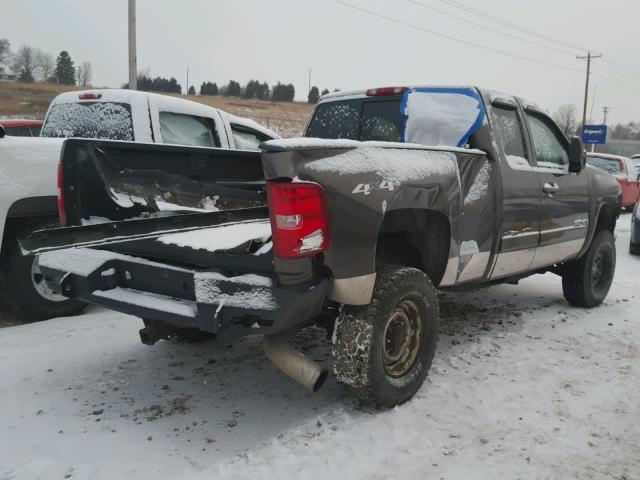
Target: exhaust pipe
294, 363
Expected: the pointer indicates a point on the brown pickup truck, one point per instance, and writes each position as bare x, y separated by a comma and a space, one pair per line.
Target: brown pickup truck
394, 194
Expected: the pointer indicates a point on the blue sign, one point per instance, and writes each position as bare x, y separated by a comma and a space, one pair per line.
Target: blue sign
594, 134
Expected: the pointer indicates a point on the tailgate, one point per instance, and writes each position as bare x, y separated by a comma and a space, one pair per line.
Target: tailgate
103, 181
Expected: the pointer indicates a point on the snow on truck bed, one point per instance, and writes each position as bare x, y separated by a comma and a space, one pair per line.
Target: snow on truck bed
225, 237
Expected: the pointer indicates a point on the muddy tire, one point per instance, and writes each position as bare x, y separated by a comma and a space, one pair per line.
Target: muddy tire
384, 350
586, 281
23, 284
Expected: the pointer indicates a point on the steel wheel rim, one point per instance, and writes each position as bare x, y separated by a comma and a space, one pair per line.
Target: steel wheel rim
40, 285
402, 338
598, 269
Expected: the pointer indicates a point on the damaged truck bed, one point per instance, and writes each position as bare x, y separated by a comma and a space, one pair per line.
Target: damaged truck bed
208, 271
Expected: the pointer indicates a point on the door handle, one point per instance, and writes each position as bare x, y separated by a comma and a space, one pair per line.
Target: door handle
550, 188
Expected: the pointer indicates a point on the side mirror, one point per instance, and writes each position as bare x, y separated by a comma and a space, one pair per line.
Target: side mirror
577, 157
2, 132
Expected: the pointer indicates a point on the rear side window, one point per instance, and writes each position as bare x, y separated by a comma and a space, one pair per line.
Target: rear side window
610, 165
105, 120
179, 129
509, 132
336, 120
246, 138
381, 121
549, 150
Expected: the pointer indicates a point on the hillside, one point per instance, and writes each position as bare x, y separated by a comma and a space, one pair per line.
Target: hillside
29, 100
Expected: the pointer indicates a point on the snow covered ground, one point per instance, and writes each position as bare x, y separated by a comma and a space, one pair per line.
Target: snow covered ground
523, 386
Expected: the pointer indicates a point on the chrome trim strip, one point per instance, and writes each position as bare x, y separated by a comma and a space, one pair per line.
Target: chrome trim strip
354, 290
517, 261
563, 229
451, 273
522, 234
475, 267
557, 252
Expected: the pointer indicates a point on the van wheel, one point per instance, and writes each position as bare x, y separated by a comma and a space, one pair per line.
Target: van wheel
384, 350
586, 281
23, 284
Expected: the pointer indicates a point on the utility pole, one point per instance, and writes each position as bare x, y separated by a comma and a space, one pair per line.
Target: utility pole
187, 92
605, 110
586, 88
133, 58
309, 91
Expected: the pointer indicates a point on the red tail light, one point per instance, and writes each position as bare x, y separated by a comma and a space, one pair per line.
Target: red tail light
380, 92
90, 96
62, 212
299, 219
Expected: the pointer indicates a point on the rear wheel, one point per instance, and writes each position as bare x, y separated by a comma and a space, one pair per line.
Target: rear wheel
586, 281
383, 351
634, 248
23, 283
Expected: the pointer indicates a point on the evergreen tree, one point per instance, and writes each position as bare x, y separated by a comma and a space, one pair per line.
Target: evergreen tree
65, 71
325, 91
314, 95
233, 89
192, 90
283, 93
208, 88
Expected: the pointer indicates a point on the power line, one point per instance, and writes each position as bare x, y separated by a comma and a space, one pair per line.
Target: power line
511, 25
500, 32
454, 39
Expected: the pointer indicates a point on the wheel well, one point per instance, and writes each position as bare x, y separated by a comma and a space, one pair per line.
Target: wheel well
607, 218
415, 238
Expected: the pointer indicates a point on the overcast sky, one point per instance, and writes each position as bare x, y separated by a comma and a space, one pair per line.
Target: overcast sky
282, 39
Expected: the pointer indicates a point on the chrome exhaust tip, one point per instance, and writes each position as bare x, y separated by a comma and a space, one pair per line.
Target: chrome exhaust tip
294, 363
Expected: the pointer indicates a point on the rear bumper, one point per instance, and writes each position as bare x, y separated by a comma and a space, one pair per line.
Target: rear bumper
230, 307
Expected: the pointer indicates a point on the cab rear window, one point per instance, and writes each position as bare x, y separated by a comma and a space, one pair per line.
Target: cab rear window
105, 120
362, 119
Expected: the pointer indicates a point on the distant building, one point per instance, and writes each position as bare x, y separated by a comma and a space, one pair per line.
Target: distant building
6, 76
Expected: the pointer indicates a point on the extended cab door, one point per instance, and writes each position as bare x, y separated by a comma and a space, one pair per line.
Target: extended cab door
564, 216
519, 231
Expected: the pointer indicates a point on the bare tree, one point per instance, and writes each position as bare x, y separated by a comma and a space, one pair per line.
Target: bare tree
23, 63
44, 65
567, 119
85, 74
5, 50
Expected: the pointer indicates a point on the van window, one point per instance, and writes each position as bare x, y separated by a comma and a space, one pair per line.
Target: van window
180, 129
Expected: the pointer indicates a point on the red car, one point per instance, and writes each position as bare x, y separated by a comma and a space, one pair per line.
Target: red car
623, 170
22, 128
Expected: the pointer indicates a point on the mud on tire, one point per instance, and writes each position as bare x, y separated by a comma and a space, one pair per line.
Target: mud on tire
384, 350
